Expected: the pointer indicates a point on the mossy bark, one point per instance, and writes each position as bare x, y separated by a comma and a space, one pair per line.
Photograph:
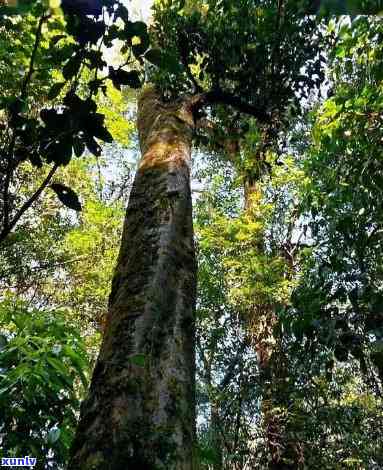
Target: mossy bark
140, 412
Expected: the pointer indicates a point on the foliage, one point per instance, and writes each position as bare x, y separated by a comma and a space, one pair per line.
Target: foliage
54, 259
226, 384
339, 301
349, 7
94, 244
331, 415
237, 58
43, 369
46, 123
324, 410
38, 259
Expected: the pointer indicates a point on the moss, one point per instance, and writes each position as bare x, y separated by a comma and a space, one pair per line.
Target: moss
165, 448
132, 386
95, 461
175, 389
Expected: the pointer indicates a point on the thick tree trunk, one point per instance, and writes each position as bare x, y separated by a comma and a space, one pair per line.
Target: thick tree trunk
141, 416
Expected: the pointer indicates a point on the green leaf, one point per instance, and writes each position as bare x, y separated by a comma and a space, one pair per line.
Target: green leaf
94, 126
55, 90
4, 390
67, 196
57, 38
139, 49
78, 363
154, 56
122, 77
93, 146
61, 369
138, 359
72, 67
78, 146
53, 435
103, 134
136, 28
3, 342
59, 152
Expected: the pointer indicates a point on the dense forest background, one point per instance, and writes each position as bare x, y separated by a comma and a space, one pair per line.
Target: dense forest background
287, 183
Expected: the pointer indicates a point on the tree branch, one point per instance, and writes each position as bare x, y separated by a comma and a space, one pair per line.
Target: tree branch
23, 95
221, 97
29, 74
7, 230
230, 371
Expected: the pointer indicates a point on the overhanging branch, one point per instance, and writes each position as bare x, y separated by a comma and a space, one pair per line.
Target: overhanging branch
221, 97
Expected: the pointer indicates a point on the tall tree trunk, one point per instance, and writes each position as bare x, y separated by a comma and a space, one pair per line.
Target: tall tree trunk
140, 412
271, 366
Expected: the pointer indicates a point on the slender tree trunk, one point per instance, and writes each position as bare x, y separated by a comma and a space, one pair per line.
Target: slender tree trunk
140, 412
271, 369
215, 429
216, 443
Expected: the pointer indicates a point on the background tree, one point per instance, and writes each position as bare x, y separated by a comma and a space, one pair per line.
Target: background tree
339, 412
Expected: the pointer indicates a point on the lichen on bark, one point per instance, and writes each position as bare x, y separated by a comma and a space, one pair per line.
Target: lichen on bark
143, 416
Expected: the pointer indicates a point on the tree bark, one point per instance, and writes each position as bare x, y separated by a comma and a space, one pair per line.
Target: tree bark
140, 412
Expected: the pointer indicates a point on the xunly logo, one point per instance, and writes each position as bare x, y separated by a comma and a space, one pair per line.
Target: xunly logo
18, 461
